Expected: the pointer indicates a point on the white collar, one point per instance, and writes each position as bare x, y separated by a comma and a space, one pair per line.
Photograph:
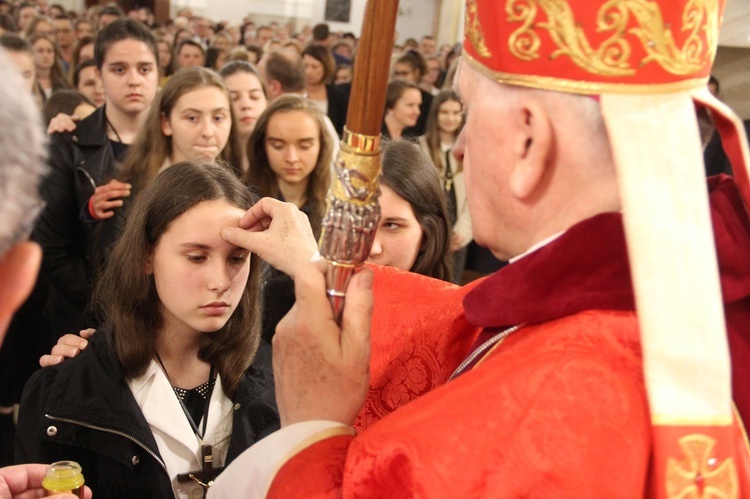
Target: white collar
540, 244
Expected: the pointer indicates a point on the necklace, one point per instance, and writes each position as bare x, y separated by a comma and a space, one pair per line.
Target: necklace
114, 130
494, 341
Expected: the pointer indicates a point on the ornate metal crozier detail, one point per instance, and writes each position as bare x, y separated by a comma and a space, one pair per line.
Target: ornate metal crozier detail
352, 213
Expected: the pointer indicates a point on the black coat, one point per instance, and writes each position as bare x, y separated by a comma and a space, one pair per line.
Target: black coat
79, 161
83, 410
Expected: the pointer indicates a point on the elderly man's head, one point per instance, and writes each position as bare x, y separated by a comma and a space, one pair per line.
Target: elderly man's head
535, 162
22, 152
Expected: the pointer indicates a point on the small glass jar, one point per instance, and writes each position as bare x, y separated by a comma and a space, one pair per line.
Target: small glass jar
64, 477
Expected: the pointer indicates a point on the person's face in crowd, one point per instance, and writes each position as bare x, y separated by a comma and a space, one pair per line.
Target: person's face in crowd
46, 28
433, 72
86, 53
199, 277
314, 70
90, 84
344, 50
292, 146
343, 75
399, 236
44, 54
106, 19
25, 64
263, 35
403, 71
55, 11
25, 16
41, 7
199, 124
713, 89
221, 42
65, 35
165, 55
182, 35
130, 76
406, 109
428, 46
248, 101
450, 116
84, 29
190, 56
4, 8
203, 29
234, 33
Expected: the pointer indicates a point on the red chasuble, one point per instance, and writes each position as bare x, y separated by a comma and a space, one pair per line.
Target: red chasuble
557, 409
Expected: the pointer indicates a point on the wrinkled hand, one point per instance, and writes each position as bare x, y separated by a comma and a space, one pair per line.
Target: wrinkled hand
457, 241
25, 481
107, 197
63, 123
67, 346
277, 232
322, 371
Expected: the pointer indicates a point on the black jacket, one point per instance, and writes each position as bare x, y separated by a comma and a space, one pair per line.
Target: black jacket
79, 161
83, 410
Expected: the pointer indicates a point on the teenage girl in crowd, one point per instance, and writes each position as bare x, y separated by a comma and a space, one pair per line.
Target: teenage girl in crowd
320, 68
49, 72
248, 101
444, 123
86, 79
190, 119
172, 364
290, 156
402, 101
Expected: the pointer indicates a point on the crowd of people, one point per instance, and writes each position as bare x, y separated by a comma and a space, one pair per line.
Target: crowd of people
187, 171
125, 99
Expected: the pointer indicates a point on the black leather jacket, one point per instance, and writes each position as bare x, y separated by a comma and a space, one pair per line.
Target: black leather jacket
79, 161
83, 410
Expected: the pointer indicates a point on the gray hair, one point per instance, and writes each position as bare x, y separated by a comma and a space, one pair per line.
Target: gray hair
22, 156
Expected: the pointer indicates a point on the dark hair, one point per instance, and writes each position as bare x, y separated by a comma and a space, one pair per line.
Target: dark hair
151, 147
78, 69
409, 173
290, 73
212, 57
111, 9
432, 132
321, 32
127, 295
415, 60
258, 51
16, 43
119, 30
86, 40
322, 55
234, 67
261, 175
395, 91
7, 23
63, 101
712, 80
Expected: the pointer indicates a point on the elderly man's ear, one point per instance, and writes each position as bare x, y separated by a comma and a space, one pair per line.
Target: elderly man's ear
532, 148
18, 270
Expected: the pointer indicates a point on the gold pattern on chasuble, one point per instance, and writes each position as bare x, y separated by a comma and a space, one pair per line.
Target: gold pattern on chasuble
700, 474
474, 29
612, 57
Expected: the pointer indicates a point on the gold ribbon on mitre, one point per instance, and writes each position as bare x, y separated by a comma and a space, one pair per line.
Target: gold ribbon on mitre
648, 62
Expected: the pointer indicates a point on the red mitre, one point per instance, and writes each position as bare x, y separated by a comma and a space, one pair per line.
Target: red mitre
594, 46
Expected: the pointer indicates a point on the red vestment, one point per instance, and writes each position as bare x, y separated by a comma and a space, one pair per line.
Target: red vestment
558, 409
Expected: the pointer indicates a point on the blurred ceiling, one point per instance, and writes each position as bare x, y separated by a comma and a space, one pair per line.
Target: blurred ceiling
735, 30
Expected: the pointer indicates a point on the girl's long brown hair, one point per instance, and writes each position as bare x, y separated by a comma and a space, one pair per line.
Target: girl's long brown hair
126, 294
261, 176
151, 147
432, 132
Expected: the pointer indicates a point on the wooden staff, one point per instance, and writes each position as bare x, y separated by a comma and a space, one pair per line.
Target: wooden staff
353, 212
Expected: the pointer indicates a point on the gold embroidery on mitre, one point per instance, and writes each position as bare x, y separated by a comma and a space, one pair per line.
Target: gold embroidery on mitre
474, 29
701, 474
612, 57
